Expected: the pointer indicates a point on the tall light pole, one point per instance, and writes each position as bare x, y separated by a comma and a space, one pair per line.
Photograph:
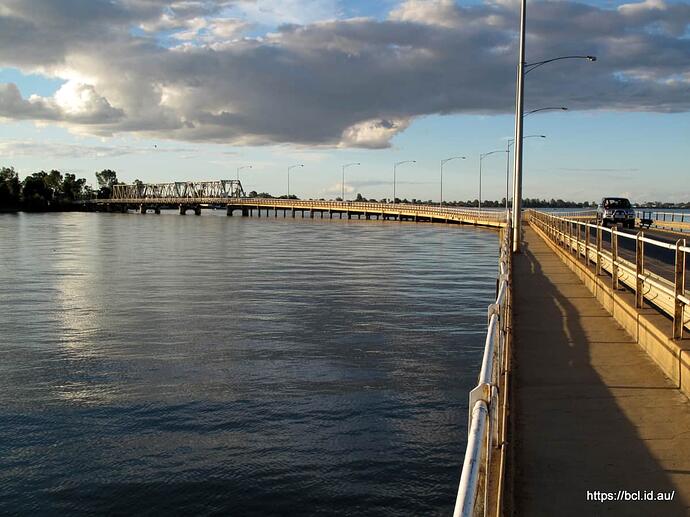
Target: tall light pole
510, 142
522, 69
481, 158
240, 168
342, 185
395, 167
288, 176
443, 162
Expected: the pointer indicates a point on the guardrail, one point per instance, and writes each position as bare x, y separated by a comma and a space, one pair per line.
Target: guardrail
663, 287
673, 221
663, 216
488, 404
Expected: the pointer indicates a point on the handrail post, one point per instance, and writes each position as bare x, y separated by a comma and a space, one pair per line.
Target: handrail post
639, 269
679, 281
587, 239
599, 239
579, 237
614, 259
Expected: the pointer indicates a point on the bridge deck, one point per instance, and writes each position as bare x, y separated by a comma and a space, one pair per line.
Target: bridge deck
592, 412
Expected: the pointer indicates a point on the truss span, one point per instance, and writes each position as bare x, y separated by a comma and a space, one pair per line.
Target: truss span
220, 189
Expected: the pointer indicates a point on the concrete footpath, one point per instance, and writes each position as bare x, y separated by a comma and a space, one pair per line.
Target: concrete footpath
593, 417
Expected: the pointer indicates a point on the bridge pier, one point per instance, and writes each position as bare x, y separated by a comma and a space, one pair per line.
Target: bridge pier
245, 212
275, 212
157, 210
197, 210
142, 209
292, 213
349, 215
228, 211
311, 214
183, 210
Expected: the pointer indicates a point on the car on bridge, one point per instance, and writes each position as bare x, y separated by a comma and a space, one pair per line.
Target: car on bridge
616, 210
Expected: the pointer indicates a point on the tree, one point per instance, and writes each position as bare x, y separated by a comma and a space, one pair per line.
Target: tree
72, 188
36, 194
359, 197
106, 179
53, 181
10, 189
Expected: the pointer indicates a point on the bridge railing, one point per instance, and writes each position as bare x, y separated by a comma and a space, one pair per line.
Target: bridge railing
481, 485
497, 214
675, 221
662, 283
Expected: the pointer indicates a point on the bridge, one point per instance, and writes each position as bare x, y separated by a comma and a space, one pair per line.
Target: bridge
581, 405
229, 195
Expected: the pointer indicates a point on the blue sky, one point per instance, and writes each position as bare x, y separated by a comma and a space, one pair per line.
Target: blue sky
635, 146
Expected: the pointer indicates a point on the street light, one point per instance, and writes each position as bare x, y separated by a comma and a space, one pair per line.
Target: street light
288, 176
522, 69
481, 158
395, 166
443, 162
559, 108
240, 168
342, 185
510, 142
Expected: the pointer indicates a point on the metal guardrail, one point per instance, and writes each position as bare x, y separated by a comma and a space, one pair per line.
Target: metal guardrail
673, 221
663, 216
488, 404
667, 294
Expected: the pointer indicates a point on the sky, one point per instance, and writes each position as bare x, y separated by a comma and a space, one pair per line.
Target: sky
193, 89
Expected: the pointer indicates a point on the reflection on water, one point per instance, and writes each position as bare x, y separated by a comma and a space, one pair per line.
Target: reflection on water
237, 366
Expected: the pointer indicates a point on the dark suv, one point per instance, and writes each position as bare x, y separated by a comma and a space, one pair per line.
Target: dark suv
616, 210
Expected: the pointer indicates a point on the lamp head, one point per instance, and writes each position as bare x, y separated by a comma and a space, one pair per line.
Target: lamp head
592, 58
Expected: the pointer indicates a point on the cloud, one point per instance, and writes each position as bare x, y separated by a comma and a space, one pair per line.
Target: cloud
74, 103
186, 70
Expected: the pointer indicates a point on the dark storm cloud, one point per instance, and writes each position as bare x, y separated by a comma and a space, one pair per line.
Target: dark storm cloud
353, 82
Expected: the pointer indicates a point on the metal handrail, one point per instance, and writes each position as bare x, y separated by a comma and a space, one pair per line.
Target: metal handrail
488, 402
669, 296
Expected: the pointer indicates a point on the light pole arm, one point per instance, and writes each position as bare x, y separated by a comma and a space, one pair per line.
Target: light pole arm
528, 67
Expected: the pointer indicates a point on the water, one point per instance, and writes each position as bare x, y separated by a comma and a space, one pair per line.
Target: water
214, 365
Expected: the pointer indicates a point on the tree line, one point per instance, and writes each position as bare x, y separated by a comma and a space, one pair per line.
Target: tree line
50, 191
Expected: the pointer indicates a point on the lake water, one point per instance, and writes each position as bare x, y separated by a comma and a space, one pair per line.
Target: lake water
236, 366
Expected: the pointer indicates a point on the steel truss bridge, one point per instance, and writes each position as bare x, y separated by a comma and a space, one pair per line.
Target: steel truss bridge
149, 192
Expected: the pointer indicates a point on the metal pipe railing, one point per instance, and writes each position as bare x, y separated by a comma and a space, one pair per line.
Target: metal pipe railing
488, 403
